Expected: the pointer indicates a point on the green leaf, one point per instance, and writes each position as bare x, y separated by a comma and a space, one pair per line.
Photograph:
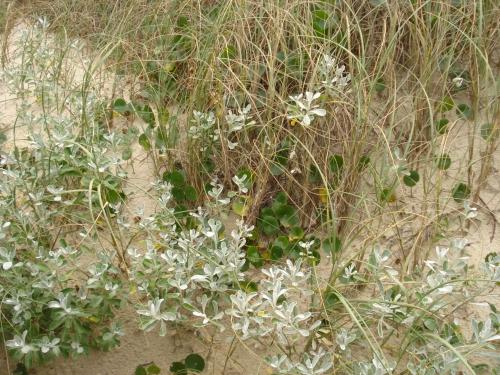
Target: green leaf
144, 142
153, 369
336, 162
180, 211
140, 370
176, 178
276, 252
182, 22
190, 194
488, 131
276, 169
446, 104
323, 22
332, 244
113, 196
127, 153
178, 368
387, 195
363, 162
208, 165
269, 225
461, 192
254, 256
194, 362
296, 233
380, 85
412, 179
120, 106
442, 125
146, 114
281, 242
464, 111
314, 174
443, 161
280, 198
249, 286
331, 300
228, 53
314, 258
178, 193
431, 324
240, 206
288, 216
20, 369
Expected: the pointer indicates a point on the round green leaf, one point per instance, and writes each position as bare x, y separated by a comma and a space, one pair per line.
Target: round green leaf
176, 178
276, 169
208, 165
464, 111
190, 194
380, 85
146, 114
288, 216
153, 369
254, 256
281, 242
387, 195
228, 53
249, 286
446, 104
363, 162
120, 106
240, 206
279, 200
178, 368
276, 252
295, 233
314, 174
488, 131
332, 244
336, 162
442, 125
269, 225
144, 142
331, 300
461, 192
443, 161
127, 153
412, 179
314, 258
195, 362
431, 324
178, 193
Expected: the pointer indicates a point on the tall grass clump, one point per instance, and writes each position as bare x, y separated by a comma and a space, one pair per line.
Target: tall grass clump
350, 142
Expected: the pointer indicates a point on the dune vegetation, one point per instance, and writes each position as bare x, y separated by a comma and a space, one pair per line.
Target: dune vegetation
282, 186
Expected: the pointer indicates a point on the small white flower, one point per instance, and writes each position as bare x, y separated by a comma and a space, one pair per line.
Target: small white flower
77, 348
240, 182
470, 212
47, 345
19, 343
458, 82
344, 338
303, 110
